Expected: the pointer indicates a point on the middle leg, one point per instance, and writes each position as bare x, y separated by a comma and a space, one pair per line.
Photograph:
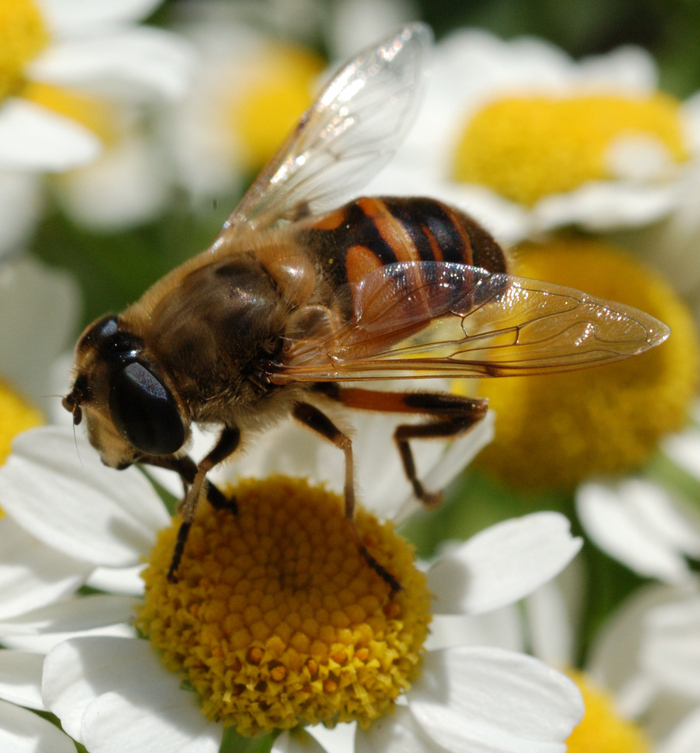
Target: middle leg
450, 416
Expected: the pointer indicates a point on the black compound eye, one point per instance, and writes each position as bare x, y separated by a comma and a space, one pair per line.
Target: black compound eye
144, 411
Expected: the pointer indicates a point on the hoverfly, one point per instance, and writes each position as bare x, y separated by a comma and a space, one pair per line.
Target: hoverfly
301, 294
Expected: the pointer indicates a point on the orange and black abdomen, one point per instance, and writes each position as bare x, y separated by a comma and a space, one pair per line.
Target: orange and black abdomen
371, 232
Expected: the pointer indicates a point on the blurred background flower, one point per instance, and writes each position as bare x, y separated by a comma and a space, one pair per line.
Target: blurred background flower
130, 128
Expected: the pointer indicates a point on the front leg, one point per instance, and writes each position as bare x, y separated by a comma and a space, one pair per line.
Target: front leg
226, 445
312, 417
186, 468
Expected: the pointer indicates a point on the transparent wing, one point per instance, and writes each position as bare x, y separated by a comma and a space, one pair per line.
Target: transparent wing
424, 319
346, 136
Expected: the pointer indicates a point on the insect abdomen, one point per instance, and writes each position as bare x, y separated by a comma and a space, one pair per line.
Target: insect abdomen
371, 232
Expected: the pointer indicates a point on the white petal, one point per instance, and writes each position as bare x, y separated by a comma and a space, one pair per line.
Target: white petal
20, 208
74, 615
54, 485
340, 739
502, 564
20, 678
43, 643
133, 64
43, 304
395, 733
125, 187
685, 738
658, 511
22, 731
115, 580
502, 628
33, 574
114, 696
34, 138
551, 632
670, 648
43, 629
684, 450
300, 741
486, 699
614, 656
612, 519
70, 18
606, 206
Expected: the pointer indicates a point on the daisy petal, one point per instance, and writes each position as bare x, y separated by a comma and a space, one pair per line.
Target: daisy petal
43, 643
614, 657
133, 64
612, 519
47, 302
671, 646
20, 678
33, 138
22, 731
501, 627
113, 695
118, 580
71, 18
551, 631
454, 702
44, 486
606, 206
299, 741
685, 738
398, 733
502, 564
684, 450
75, 615
33, 574
20, 208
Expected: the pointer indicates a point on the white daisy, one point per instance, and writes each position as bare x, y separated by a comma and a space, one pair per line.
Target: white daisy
556, 142
248, 93
110, 692
52, 46
637, 670
648, 524
647, 654
66, 73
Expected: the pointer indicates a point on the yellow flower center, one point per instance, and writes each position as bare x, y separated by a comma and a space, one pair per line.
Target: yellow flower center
602, 730
278, 620
16, 416
263, 115
525, 148
554, 431
22, 37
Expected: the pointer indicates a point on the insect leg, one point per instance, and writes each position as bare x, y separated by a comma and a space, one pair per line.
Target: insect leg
225, 446
187, 469
451, 415
312, 417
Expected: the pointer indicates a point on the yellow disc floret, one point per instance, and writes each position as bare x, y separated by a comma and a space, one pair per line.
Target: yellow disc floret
277, 619
16, 416
22, 37
556, 430
526, 148
264, 114
602, 730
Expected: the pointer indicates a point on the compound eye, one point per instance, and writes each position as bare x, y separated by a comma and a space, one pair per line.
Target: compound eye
144, 411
